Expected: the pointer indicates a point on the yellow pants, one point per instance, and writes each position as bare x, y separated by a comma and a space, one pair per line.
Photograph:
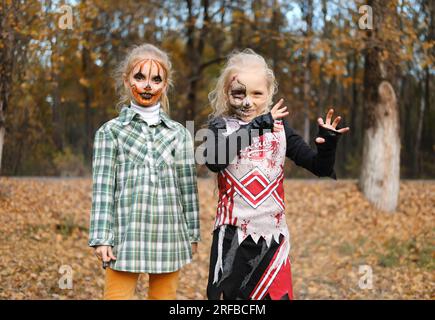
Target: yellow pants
121, 285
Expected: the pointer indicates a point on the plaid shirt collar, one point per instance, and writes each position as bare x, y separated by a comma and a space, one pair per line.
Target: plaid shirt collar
127, 115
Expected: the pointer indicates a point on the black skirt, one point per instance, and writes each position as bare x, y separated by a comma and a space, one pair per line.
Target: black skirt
246, 272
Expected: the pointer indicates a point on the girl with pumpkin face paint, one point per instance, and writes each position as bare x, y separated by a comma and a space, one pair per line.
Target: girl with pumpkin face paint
147, 81
145, 216
250, 248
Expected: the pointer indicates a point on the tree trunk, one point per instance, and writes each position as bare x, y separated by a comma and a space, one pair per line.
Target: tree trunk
194, 54
275, 31
405, 122
380, 174
8, 17
2, 141
87, 98
57, 133
191, 56
307, 8
354, 110
417, 142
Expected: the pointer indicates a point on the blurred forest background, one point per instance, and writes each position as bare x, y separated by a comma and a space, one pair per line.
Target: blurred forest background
56, 87
56, 90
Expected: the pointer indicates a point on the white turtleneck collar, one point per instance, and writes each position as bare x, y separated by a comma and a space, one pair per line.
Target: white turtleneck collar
151, 115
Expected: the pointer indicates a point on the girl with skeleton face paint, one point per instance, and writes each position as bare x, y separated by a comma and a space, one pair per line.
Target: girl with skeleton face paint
247, 95
249, 254
141, 158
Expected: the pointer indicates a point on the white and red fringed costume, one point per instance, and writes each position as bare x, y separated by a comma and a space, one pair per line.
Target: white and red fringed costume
251, 243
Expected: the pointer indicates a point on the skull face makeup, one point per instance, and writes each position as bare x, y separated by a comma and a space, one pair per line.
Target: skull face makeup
147, 80
247, 95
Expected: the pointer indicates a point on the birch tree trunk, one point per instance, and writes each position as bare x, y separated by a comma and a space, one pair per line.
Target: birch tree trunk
380, 175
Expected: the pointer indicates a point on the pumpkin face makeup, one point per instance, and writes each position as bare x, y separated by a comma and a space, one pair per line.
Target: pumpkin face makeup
147, 80
247, 94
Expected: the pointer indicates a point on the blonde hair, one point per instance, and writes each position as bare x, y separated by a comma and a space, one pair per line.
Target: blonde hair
134, 55
237, 62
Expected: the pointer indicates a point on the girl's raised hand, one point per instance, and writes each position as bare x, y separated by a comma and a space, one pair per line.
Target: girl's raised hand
332, 126
278, 111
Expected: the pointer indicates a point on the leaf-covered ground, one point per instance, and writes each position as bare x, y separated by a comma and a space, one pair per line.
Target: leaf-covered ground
334, 231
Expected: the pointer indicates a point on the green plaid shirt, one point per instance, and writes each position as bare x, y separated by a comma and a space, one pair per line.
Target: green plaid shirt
144, 197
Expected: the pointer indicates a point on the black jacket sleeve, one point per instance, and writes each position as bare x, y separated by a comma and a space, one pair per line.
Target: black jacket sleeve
320, 163
218, 153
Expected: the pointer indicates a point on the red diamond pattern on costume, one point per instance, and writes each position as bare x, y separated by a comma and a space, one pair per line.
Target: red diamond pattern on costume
255, 187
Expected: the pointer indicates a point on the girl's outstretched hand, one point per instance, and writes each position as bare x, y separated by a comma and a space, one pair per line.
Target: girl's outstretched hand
278, 112
328, 125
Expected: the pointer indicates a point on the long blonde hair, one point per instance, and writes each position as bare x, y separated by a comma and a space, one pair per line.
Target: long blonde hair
239, 61
134, 55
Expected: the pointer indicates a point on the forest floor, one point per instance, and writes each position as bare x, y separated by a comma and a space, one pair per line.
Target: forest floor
335, 234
